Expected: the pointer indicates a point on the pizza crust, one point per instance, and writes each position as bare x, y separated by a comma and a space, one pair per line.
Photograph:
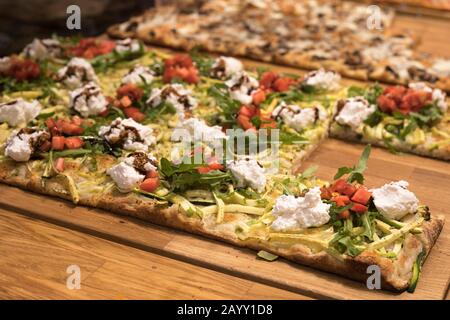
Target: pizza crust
395, 274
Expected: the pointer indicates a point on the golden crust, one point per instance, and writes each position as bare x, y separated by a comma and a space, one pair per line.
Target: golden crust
395, 273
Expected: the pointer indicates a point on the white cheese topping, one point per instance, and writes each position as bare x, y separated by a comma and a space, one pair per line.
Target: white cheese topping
175, 94
248, 173
438, 96
194, 129
300, 212
441, 68
88, 100
394, 200
296, 117
355, 111
19, 111
128, 134
241, 87
40, 49
400, 66
125, 176
139, 75
321, 79
19, 145
76, 73
141, 161
5, 64
128, 44
225, 67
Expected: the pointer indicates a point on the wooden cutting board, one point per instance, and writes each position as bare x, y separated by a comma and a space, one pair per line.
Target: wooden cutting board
429, 179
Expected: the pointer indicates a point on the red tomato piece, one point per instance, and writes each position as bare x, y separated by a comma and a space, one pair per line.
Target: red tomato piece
282, 84
386, 104
130, 90
152, 174
59, 164
341, 201
362, 196
23, 69
245, 122
71, 129
344, 214
150, 184
45, 146
134, 113
58, 143
182, 67
73, 142
359, 208
325, 193
258, 96
267, 79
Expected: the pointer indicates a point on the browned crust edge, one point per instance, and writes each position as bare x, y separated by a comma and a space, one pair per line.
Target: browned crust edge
135, 206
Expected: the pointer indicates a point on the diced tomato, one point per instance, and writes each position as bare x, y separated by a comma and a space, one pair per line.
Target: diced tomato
91, 47
104, 113
339, 186
150, 184
180, 66
59, 164
248, 111
341, 201
348, 190
325, 193
245, 122
344, 214
258, 96
358, 208
77, 120
395, 93
58, 143
71, 129
216, 166
152, 174
134, 113
125, 101
45, 146
204, 169
130, 90
386, 104
415, 100
73, 142
23, 69
282, 84
267, 122
50, 123
267, 79
362, 196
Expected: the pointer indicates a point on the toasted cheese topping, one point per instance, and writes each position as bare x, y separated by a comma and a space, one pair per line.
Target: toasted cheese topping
298, 118
324, 80
88, 100
354, 111
394, 200
127, 44
225, 67
21, 145
139, 75
40, 49
175, 94
248, 173
19, 111
300, 212
241, 87
128, 134
76, 73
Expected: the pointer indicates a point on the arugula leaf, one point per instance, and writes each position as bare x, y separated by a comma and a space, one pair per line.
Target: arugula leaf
203, 63
103, 62
355, 173
229, 107
355, 91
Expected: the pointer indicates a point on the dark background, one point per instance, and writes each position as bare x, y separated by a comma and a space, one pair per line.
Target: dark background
23, 20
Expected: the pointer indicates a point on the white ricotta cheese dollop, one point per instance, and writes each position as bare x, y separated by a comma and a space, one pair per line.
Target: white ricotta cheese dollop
175, 94
321, 79
40, 49
19, 111
298, 118
248, 173
88, 100
354, 111
300, 212
394, 200
194, 129
127, 45
21, 144
241, 87
76, 73
138, 75
128, 134
125, 176
438, 96
225, 67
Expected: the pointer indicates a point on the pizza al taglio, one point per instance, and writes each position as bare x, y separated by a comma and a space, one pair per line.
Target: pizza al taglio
98, 122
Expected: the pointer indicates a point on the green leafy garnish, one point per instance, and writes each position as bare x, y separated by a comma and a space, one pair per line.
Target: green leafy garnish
355, 173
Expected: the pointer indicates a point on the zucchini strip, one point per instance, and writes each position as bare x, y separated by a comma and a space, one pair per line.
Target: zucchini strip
220, 208
235, 208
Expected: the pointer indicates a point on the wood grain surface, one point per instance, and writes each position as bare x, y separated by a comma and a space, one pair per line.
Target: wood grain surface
126, 258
